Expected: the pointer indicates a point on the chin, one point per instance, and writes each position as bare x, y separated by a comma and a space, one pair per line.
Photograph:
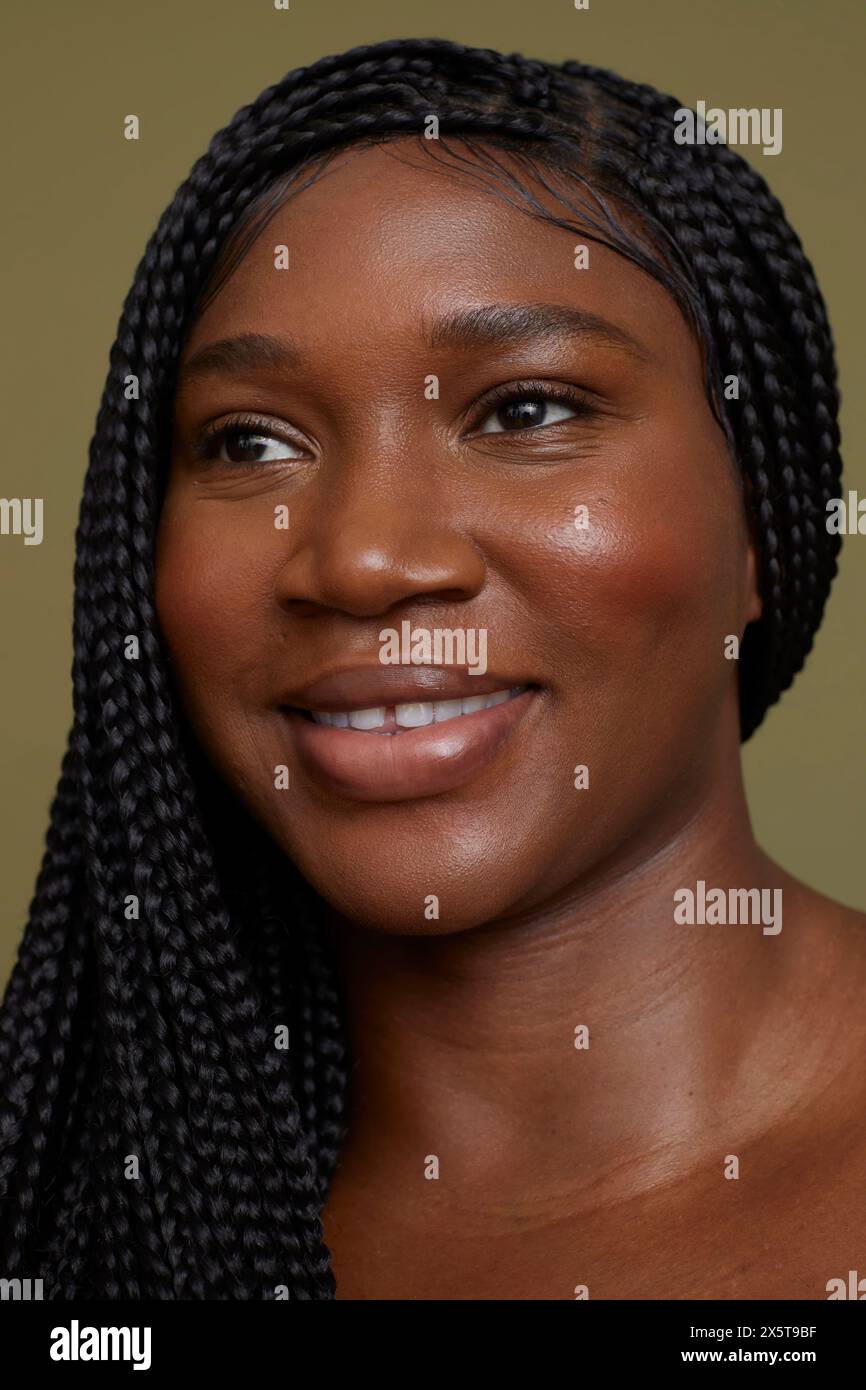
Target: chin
440, 905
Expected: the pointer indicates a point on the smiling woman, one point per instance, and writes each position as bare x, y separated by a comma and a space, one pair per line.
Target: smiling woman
378, 385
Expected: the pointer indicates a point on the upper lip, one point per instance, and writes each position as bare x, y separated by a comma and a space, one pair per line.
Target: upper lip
369, 687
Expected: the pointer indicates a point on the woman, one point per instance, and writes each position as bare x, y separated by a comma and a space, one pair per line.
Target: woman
447, 376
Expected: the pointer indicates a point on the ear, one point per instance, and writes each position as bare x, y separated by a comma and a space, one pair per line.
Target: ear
754, 602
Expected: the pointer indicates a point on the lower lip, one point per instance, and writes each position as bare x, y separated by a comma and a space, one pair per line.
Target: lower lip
419, 762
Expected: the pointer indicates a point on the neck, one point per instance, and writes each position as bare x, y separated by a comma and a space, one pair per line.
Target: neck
471, 1036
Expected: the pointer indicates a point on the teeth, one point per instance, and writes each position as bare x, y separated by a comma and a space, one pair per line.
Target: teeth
417, 714
413, 716
474, 704
446, 709
366, 718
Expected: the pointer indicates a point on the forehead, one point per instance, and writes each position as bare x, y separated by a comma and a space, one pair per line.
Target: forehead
388, 238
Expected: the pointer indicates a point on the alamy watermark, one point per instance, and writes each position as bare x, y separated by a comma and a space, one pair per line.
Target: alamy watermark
22, 516
21, 1290
853, 1287
737, 126
438, 646
736, 906
846, 517
76, 1343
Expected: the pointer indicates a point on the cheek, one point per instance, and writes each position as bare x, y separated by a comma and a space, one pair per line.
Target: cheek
664, 576
212, 578
645, 593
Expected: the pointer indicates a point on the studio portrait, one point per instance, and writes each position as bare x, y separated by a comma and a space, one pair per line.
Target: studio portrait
433, 750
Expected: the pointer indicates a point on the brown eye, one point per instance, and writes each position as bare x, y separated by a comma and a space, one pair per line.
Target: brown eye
532, 406
524, 413
241, 444
249, 446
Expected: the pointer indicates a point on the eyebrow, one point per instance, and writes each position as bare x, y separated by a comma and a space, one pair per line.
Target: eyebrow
506, 325
245, 354
486, 325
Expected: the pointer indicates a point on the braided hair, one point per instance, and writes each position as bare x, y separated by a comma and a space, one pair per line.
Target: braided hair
154, 1141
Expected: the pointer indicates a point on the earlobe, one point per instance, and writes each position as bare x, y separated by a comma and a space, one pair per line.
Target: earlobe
754, 602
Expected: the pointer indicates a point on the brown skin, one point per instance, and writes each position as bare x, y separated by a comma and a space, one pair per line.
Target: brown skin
558, 1167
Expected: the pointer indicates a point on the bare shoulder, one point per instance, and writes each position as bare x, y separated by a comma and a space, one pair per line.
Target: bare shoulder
789, 1219
825, 928
816, 1160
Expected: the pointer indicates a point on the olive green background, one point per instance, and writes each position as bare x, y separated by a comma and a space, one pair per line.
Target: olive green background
80, 203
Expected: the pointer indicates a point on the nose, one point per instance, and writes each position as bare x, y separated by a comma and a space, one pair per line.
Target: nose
378, 536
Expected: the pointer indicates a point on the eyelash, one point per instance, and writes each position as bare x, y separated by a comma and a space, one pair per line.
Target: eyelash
211, 438
556, 392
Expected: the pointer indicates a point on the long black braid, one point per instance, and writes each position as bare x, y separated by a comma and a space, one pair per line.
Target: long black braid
154, 1141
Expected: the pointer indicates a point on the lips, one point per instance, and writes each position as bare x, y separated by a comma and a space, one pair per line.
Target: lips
428, 756
364, 687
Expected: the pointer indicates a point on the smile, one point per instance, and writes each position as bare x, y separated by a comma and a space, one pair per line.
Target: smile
436, 746
395, 719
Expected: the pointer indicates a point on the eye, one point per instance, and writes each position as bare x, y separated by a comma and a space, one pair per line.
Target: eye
523, 409
244, 442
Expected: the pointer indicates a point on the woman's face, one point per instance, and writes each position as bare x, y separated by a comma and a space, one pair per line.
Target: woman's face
402, 467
